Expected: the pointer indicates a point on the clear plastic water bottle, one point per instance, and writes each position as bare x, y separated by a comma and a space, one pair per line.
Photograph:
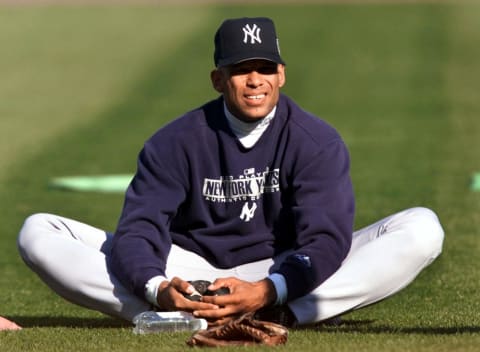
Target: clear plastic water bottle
153, 322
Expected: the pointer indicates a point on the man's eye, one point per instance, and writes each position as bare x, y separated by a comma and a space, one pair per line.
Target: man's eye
240, 71
264, 70
267, 70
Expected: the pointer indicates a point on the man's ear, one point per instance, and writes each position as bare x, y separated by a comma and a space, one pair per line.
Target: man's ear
281, 75
216, 77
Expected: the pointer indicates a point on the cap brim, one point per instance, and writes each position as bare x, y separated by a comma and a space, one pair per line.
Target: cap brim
238, 59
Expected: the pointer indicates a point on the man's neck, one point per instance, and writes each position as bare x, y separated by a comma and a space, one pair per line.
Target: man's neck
248, 133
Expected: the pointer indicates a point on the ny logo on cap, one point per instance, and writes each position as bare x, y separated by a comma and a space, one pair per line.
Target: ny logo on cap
253, 33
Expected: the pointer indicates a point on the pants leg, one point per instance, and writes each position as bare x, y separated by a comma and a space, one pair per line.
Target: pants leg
72, 259
384, 258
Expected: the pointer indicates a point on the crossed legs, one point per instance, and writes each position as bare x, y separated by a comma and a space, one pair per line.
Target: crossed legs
72, 259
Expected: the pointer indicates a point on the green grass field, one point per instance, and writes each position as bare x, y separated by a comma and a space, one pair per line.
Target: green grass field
81, 88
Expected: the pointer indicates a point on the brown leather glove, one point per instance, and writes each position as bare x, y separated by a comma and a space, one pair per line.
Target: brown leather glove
242, 331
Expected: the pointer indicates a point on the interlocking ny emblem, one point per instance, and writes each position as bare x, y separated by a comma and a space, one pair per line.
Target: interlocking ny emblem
248, 213
253, 33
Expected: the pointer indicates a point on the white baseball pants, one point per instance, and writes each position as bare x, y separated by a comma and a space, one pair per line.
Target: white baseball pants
72, 258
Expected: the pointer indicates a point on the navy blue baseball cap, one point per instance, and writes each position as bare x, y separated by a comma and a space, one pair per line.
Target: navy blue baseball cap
242, 39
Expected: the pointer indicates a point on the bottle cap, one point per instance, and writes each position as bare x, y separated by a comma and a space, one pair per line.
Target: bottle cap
203, 324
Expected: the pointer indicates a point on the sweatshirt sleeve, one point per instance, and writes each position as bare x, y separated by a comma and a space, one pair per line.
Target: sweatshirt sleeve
142, 240
323, 209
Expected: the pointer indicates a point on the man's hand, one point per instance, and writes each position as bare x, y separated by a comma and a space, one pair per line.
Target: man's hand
244, 297
170, 297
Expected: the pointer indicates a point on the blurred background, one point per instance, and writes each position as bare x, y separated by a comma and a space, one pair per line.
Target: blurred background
84, 83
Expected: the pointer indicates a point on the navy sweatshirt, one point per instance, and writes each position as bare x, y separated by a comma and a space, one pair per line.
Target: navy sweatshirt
197, 186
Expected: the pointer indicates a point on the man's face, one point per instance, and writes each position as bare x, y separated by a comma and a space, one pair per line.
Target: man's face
250, 88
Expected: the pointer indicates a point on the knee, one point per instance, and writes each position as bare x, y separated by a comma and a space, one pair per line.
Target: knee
30, 236
426, 232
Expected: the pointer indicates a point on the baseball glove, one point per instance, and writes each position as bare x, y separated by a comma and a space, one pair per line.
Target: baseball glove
242, 331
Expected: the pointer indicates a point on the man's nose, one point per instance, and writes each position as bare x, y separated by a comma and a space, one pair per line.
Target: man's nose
254, 79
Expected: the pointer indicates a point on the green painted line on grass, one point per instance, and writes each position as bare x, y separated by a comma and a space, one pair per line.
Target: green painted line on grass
475, 185
98, 183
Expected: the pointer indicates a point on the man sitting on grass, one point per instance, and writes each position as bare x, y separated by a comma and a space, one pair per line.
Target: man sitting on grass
248, 191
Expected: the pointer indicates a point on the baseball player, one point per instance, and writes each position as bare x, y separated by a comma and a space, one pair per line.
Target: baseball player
248, 191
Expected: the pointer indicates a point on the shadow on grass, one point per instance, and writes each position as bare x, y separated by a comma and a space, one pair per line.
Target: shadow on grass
368, 327
346, 326
73, 322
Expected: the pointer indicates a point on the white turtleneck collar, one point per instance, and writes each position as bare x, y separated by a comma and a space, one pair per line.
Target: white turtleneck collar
248, 133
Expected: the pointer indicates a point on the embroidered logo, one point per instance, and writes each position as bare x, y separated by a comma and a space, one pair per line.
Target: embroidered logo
303, 259
253, 33
248, 213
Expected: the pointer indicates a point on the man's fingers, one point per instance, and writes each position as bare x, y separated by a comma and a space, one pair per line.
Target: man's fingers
214, 314
217, 322
171, 296
222, 300
196, 306
222, 282
182, 286
180, 302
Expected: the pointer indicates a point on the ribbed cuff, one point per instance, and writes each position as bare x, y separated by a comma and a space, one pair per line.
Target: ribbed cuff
151, 289
280, 287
